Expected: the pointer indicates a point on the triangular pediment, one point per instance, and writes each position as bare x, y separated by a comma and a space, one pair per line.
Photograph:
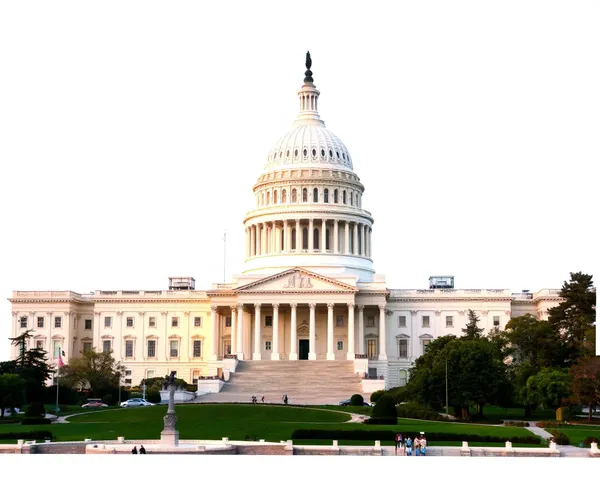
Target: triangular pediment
296, 280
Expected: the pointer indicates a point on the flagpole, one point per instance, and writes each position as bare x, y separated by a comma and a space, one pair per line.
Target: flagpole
57, 376
224, 253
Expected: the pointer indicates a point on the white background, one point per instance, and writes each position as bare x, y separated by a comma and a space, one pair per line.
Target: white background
131, 134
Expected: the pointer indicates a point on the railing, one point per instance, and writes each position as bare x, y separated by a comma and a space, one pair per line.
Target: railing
231, 355
448, 292
522, 295
360, 355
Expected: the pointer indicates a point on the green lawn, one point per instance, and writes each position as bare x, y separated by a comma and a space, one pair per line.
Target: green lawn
577, 433
497, 414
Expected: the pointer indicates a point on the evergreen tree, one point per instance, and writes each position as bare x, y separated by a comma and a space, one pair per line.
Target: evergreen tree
472, 332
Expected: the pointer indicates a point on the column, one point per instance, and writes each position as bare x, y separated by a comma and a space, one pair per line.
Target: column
361, 330
252, 240
364, 241
293, 333
263, 239
355, 240
330, 352
367, 242
323, 235
240, 332
336, 245
213, 333
258, 239
347, 239
298, 236
275, 343
370, 238
287, 244
350, 354
312, 336
310, 236
382, 339
256, 355
233, 330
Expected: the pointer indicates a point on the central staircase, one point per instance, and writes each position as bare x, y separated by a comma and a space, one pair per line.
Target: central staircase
313, 382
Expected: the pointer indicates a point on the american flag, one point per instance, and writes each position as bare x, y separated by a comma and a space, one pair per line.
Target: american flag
60, 360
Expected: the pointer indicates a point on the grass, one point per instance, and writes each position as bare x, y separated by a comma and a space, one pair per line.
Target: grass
498, 414
577, 433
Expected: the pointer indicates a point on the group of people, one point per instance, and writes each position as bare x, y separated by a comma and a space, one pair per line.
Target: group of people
407, 444
254, 399
142, 450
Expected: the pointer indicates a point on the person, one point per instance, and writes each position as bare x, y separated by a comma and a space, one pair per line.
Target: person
423, 445
134, 451
285, 399
409, 444
398, 443
142, 450
417, 445
263, 399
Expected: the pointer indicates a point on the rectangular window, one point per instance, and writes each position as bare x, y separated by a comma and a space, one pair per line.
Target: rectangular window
129, 322
40, 322
268, 321
228, 321
151, 348
87, 346
370, 321
402, 321
56, 347
267, 345
129, 348
127, 381
175, 321
197, 348
403, 377
106, 346
403, 348
426, 321
425, 343
150, 374
88, 324
197, 321
152, 322
57, 322
449, 322
39, 344
174, 348
128, 372
339, 321
496, 321
23, 322
340, 345
107, 322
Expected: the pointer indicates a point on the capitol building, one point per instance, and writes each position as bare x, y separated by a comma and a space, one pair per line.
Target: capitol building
308, 292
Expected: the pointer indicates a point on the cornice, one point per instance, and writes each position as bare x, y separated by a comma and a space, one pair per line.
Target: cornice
295, 293
448, 299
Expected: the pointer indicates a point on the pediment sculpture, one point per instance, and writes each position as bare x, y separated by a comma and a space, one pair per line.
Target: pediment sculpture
297, 280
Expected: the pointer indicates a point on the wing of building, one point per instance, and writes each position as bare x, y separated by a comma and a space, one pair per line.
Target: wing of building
308, 292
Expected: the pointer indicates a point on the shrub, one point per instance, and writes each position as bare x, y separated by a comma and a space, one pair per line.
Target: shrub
587, 441
382, 421
560, 438
108, 399
33, 435
191, 388
153, 396
400, 394
385, 408
549, 424
415, 410
375, 396
9, 420
35, 409
516, 424
357, 400
36, 421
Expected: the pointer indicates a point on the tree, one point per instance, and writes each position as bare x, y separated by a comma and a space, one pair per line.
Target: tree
97, 370
21, 343
12, 392
586, 383
574, 318
471, 331
548, 388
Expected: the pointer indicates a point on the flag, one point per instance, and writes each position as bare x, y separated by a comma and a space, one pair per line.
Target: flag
60, 360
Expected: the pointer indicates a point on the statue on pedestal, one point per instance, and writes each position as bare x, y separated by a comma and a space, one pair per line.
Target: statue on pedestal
170, 434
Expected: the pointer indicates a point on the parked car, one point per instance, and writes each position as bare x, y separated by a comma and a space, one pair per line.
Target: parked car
136, 402
94, 405
345, 403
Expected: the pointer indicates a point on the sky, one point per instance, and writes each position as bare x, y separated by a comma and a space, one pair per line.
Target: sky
132, 133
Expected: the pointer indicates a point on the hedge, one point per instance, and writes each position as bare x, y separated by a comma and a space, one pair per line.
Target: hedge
587, 441
560, 438
382, 421
10, 420
390, 435
516, 424
33, 435
36, 421
415, 410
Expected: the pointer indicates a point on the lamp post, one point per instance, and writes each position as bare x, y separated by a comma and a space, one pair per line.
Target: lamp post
446, 384
119, 389
143, 390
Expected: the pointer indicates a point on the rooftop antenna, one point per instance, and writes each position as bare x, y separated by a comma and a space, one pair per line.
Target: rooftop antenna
224, 253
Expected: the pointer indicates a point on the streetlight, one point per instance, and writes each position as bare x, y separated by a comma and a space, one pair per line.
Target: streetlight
119, 388
446, 384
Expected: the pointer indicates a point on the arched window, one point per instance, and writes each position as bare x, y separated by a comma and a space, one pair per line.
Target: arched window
294, 199
304, 195
351, 198
326, 195
293, 239
316, 238
315, 195
262, 198
268, 198
305, 238
327, 242
275, 197
335, 196
344, 197
284, 196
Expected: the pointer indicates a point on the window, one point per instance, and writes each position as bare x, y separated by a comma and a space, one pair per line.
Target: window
294, 196
174, 348
268, 321
150, 374
23, 322
106, 346
425, 321
275, 197
107, 322
87, 346
128, 373
228, 321
339, 321
152, 322
129, 348
403, 376
340, 345
304, 195
315, 195
56, 347
449, 322
151, 348
335, 196
316, 239
129, 322
267, 345
197, 348
402, 321
344, 197
40, 322
175, 321
88, 324
351, 196
425, 343
370, 321
57, 322
326, 195
268, 198
197, 321
127, 381
304, 238
403, 348
496, 321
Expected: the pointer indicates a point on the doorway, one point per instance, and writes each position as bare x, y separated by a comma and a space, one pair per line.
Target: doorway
372, 348
303, 347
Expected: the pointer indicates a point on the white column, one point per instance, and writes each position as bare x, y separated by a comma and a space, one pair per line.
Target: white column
298, 236
293, 334
370, 238
350, 349
259, 239
214, 344
240, 332
312, 336
363, 251
311, 237
323, 235
355, 240
336, 246
367, 242
347, 239
233, 330
275, 343
382, 339
361, 330
330, 352
257, 321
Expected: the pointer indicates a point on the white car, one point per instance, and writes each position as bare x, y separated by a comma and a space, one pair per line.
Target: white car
136, 402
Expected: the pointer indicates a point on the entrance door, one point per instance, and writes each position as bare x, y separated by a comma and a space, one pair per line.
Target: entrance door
303, 347
372, 348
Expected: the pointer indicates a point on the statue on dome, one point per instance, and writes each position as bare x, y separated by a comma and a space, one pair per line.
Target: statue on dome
308, 74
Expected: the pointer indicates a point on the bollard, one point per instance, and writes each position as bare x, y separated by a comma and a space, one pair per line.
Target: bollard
552, 445
121, 439
508, 445
225, 439
377, 443
335, 443
20, 442
262, 440
87, 440
48, 441
465, 444
594, 447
